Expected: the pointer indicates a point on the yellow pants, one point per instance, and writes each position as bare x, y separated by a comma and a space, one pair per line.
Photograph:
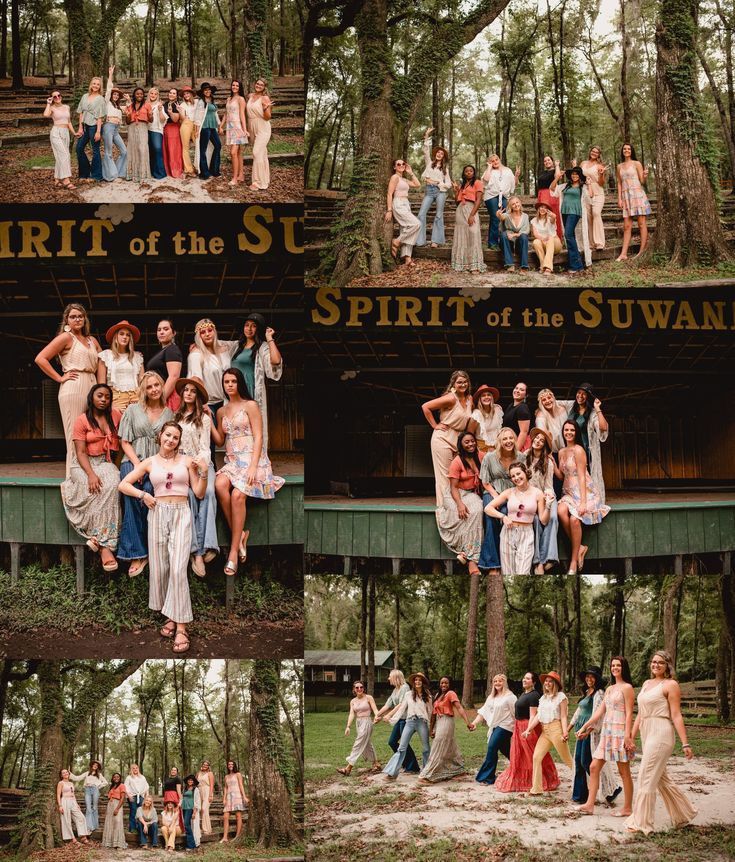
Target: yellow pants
550, 738
169, 835
546, 250
186, 129
122, 400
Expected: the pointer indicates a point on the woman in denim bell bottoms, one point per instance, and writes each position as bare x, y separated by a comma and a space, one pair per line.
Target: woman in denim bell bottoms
94, 781
438, 183
498, 712
397, 696
416, 710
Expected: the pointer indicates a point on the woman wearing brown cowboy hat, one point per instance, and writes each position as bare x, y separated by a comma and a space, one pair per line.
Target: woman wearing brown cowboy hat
188, 131
113, 169
489, 417
121, 366
438, 183
552, 715
416, 709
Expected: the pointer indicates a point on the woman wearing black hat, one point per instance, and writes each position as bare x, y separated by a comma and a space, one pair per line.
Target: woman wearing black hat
571, 194
586, 413
191, 807
208, 121
593, 686
257, 356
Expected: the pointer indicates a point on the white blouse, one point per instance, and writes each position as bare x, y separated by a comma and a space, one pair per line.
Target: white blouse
210, 367
122, 373
157, 124
489, 425
499, 712
417, 708
195, 441
136, 785
435, 176
188, 110
90, 780
549, 707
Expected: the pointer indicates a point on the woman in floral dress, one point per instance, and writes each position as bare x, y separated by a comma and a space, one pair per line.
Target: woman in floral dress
632, 199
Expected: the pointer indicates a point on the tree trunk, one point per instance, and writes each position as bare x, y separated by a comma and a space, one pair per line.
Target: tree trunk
619, 611
17, 62
255, 19
469, 650
180, 696
688, 226
727, 595
87, 43
727, 131
495, 627
371, 635
624, 95
363, 624
397, 633
4, 39
282, 38
226, 715
270, 820
722, 675
671, 589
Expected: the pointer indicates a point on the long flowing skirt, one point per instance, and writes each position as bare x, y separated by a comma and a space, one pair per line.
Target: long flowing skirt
139, 167
94, 516
467, 254
173, 158
461, 536
204, 792
409, 225
445, 760
518, 776
113, 833
363, 745
261, 130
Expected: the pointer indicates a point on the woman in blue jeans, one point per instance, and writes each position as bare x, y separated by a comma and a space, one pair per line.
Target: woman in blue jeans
208, 121
515, 229
191, 806
113, 169
495, 479
438, 183
91, 110
94, 781
498, 712
400, 690
416, 709
146, 818
571, 212
158, 120
540, 462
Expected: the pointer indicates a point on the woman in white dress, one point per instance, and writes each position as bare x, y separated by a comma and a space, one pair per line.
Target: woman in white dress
489, 417
121, 365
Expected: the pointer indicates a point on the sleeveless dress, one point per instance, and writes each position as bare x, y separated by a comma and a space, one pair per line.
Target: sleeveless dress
444, 443
612, 735
236, 135
261, 131
238, 455
596, 509
233, 797
635, 201
73, 393
657, 733
205, 792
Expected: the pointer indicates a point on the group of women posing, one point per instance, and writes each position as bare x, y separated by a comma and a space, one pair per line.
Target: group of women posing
185, 811
160, 133
569, 206
526, 728
165, 426
503, 486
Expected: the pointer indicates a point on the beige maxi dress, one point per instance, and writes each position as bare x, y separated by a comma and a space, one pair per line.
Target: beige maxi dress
657, 733
444, 443
205, 792
260, 129
73, 393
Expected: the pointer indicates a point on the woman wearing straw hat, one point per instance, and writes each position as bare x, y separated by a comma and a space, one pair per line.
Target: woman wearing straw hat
524, 504
659, 715
416, 709
498, 712
113, 169
489, 417
361, 706
187, 129
196, 431
540, 462
445, 760
438, 183
552, 715
616, 737
121, 366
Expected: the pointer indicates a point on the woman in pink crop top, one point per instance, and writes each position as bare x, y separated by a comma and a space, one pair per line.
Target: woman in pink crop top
169, 528
516, 538
362, 711
399, 210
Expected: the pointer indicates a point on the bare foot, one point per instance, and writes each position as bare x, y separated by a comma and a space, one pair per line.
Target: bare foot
581, 555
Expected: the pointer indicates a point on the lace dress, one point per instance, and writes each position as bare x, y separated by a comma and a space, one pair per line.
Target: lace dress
238, 455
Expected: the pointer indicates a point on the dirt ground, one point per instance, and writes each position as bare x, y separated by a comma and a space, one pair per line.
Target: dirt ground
467, 811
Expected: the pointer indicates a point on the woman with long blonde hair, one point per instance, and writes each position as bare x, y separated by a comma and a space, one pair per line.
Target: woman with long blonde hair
498, 712
258, 110
397, 696
92, 110
158, 119
121, 365
495, 478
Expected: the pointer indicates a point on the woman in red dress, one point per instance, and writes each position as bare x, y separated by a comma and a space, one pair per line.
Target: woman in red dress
517, 776
173, 158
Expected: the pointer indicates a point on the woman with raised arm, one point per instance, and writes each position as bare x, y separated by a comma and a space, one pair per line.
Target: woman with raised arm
467, 252
205, 777
594, 201
659, 720
541, 464
552, 715
454, 406
234, 799
138, 431
580, 503
171, 475
416, 709
362, 706
586, 412
59, 136
94, 781
173, 157
632, 199
437, 183
259, 109
90, 497
113, 169
544, 196
237, 136
71, 815
399, 210
445, 760
616, 736
498, 713
113, 833
138, 113
247, 470
121, 365
77, 352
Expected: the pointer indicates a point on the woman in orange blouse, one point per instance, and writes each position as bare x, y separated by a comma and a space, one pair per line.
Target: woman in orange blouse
90, 496
137, 115
445, 761
467, 254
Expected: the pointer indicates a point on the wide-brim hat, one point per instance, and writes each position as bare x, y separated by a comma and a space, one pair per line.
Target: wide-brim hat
195, 381
485, 388
577, 170
538, 204
552, 674
534, 431
257, 318
436, 149
207, 86
424, 679
187, 89
586, 387
193, 778
595, 671
124, 324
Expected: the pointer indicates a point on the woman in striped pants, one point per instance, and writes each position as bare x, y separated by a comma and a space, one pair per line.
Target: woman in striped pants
169, 528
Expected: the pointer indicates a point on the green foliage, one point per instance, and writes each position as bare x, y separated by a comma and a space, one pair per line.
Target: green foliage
265, 684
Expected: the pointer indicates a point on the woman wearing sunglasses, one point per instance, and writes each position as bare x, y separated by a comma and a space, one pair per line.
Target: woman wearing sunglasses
59, 137
169, 527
